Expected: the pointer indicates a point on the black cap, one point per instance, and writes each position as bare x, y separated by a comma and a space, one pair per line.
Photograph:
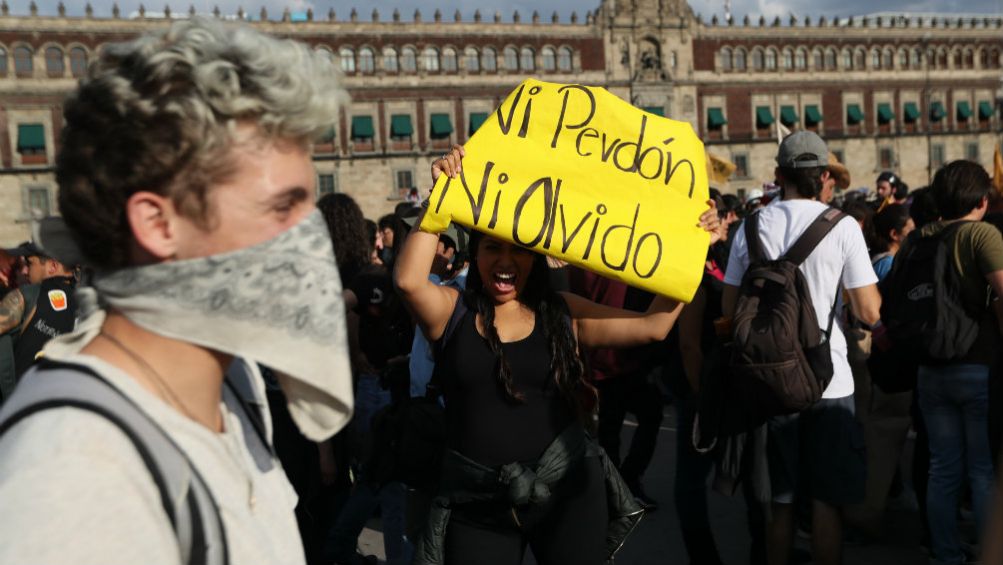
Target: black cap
889, 176
26, 249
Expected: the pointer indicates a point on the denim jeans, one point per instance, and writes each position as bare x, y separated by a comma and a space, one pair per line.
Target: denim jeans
954, 401
366, 497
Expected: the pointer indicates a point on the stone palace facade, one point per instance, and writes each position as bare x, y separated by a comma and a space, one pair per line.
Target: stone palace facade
903, 92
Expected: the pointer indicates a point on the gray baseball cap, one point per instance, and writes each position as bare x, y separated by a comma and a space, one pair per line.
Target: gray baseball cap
805, 144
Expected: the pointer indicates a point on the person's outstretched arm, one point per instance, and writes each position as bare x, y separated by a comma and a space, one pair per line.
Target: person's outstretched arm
605, 326
431, 304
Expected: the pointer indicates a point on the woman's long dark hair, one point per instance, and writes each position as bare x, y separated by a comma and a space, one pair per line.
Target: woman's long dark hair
880, 225
566, 365
347, 225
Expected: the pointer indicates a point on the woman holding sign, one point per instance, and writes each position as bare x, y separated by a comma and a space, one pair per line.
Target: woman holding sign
520, 468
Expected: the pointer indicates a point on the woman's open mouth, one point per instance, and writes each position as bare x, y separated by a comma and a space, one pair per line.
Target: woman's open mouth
504, 282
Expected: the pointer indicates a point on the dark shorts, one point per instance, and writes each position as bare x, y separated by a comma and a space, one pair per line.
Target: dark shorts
818, 453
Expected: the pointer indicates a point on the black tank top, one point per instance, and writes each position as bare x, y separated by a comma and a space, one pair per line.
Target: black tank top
482, 423
55, 314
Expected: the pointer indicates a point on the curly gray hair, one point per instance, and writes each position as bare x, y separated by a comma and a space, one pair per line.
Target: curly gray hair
159, 113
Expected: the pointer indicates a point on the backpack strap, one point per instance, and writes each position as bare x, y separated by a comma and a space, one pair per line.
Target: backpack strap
814, 235
434, 389
186, 499
752, 241
239, 395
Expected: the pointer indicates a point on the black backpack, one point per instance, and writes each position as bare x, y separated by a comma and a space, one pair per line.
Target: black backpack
780, 360
409, 435
923, 309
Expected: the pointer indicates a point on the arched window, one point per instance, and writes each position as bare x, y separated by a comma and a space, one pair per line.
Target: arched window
489, 59
3, 62
449, 60
994, 59
875, 59
549, 57
390, 59
430, 59
799, 60
78, 61
983, 59
54, 64
771, 59
564, 60
903, 59
325, 53
969, 59
916, 58
471, 60
817, 60
958, 59
788, 60
861, 60
409, 60
22, 61
726, 59
830, 60
739, 60
847, 59
511, 59
347, 56
942, 59
527, 59
367, 60
757, 60
889, 59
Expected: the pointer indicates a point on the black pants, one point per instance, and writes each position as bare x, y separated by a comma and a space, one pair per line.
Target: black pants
637, 394
569, 529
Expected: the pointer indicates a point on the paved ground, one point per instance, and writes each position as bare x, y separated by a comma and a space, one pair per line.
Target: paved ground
657, 539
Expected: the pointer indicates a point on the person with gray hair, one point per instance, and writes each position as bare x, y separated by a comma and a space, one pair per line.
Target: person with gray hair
187, 184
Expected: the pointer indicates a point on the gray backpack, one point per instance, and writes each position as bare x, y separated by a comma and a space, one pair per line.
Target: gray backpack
187, 501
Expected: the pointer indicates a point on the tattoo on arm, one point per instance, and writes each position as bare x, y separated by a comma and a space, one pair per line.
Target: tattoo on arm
11, 310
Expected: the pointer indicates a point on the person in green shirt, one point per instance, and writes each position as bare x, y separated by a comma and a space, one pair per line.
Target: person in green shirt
954, 396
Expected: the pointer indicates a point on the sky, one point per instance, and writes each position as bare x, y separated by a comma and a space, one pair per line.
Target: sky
739, 8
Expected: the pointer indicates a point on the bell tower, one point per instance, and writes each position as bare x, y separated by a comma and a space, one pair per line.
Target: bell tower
649, 54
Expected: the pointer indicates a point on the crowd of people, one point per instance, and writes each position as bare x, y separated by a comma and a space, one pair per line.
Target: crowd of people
233, 374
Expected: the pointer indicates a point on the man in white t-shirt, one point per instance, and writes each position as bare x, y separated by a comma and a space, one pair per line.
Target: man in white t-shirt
820, 451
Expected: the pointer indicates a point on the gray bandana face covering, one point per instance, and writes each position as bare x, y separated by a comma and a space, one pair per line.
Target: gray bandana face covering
278, 303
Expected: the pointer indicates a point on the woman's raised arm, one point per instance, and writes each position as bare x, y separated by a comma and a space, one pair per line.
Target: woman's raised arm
431, 304
606, 326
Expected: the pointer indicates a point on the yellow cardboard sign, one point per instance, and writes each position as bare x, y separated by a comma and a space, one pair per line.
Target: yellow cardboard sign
576, 173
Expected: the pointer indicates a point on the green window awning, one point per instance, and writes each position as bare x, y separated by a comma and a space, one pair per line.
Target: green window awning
656, 110
477, 119
788, 115
937, 111
812, 115
964, 110
440, 126
764, 117
400, 125
911, 112
986, 110
715, 118
30, 137
362, 127
885, 114
854, 115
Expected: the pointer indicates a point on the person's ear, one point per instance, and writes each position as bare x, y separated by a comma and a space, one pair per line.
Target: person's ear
152, 219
